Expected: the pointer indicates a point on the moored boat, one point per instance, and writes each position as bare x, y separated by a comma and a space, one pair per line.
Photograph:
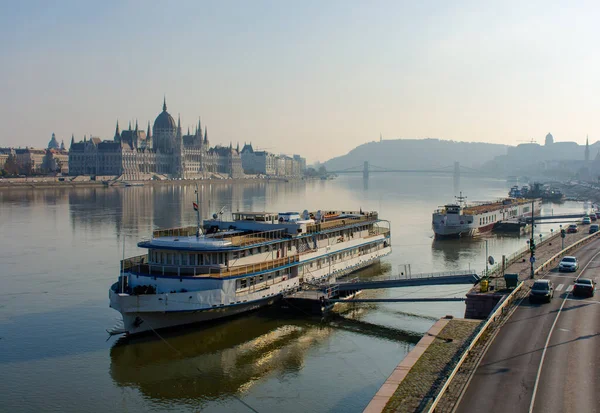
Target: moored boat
462, 220
225, 267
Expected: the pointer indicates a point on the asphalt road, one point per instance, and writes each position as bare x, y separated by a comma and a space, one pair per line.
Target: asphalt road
546, 357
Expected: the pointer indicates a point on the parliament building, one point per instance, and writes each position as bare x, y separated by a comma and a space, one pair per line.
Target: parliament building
160, 153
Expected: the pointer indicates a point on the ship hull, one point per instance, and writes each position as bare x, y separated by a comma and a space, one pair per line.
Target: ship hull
136, 323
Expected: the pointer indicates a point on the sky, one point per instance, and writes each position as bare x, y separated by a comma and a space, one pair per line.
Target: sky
316, 78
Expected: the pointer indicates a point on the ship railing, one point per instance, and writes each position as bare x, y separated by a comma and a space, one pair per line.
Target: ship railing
175, 232
139, 265
257, 237
342, 222
375, 231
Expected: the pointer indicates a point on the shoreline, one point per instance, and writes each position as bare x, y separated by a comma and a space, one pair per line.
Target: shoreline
40, 183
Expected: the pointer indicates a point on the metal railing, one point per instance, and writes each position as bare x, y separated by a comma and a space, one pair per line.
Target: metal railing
430, 275
375, 231
175, 232
140, 265
257, 238
341, 222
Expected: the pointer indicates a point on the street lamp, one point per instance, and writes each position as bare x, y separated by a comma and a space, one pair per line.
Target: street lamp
532, 241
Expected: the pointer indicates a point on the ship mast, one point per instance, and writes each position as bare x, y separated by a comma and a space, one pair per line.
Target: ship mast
461, 199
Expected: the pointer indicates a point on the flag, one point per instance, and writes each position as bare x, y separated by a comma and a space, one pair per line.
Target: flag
195, 206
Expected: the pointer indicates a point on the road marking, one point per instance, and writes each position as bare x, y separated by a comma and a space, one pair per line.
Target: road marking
569, 288
537, 377
559, 287
563, 276
584, 301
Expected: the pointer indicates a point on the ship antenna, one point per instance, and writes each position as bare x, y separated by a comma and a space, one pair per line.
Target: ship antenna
198, 229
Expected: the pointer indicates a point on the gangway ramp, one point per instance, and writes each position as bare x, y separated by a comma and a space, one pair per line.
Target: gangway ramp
435, 278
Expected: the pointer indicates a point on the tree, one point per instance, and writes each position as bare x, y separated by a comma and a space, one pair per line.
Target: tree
11, 166
322, 170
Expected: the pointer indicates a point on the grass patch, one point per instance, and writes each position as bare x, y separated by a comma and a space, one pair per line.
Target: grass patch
432, 367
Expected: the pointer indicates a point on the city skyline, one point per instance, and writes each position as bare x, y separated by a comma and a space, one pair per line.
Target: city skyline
315, 78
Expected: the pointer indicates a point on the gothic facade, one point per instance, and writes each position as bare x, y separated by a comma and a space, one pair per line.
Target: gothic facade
163, 151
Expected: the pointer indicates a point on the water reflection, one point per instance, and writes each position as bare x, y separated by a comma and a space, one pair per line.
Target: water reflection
224, 359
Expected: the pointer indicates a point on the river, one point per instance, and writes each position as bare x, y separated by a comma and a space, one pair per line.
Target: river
60, 252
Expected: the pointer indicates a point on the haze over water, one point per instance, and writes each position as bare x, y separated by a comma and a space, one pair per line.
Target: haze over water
60, 252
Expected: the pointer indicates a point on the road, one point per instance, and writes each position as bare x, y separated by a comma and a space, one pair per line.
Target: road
546, 357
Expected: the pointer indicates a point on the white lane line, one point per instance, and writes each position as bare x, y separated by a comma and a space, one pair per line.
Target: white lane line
559, 287
569, 288
537, 378
583, 301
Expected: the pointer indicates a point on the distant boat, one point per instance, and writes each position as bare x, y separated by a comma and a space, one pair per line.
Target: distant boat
537, 190
134, 184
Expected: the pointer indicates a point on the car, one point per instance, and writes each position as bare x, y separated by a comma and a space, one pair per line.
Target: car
571, 229
584, 287
594, 228
598, 214
593, 217
542, 290
586, 221
568, 264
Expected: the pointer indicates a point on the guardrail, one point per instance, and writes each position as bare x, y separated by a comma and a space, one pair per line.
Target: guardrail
499, 311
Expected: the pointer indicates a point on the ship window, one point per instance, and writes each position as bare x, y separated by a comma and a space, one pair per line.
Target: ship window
251, 280
260, 278
269, 276
236, 254
169, 258
184, 259
243, 283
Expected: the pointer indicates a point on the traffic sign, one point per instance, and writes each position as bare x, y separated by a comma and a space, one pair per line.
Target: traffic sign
532, 259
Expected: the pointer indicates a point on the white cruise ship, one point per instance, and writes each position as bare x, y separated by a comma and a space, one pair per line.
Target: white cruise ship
222, 268
462, 220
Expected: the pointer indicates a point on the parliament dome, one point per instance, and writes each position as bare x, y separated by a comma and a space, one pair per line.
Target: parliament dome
164, 120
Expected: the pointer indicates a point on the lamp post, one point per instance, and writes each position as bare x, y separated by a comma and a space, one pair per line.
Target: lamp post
486, 258
562, 238
532, 242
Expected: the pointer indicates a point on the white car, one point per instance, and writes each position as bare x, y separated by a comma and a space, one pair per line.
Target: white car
568, 264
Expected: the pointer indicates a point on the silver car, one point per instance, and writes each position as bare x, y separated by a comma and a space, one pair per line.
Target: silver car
568, 264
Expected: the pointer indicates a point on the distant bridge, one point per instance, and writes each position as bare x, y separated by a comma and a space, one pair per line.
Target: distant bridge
367, 168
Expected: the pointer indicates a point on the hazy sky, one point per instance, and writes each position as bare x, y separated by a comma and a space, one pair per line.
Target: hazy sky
311, 77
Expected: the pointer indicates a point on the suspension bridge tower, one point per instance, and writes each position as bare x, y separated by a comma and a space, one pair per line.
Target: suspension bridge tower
456, 176
366, 170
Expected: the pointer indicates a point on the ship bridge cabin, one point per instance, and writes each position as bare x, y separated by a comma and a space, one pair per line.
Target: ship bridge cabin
451, 209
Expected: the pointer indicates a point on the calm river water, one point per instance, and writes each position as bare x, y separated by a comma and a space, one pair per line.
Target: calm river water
60, 252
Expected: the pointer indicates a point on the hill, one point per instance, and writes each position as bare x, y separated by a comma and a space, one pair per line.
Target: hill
417, 154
